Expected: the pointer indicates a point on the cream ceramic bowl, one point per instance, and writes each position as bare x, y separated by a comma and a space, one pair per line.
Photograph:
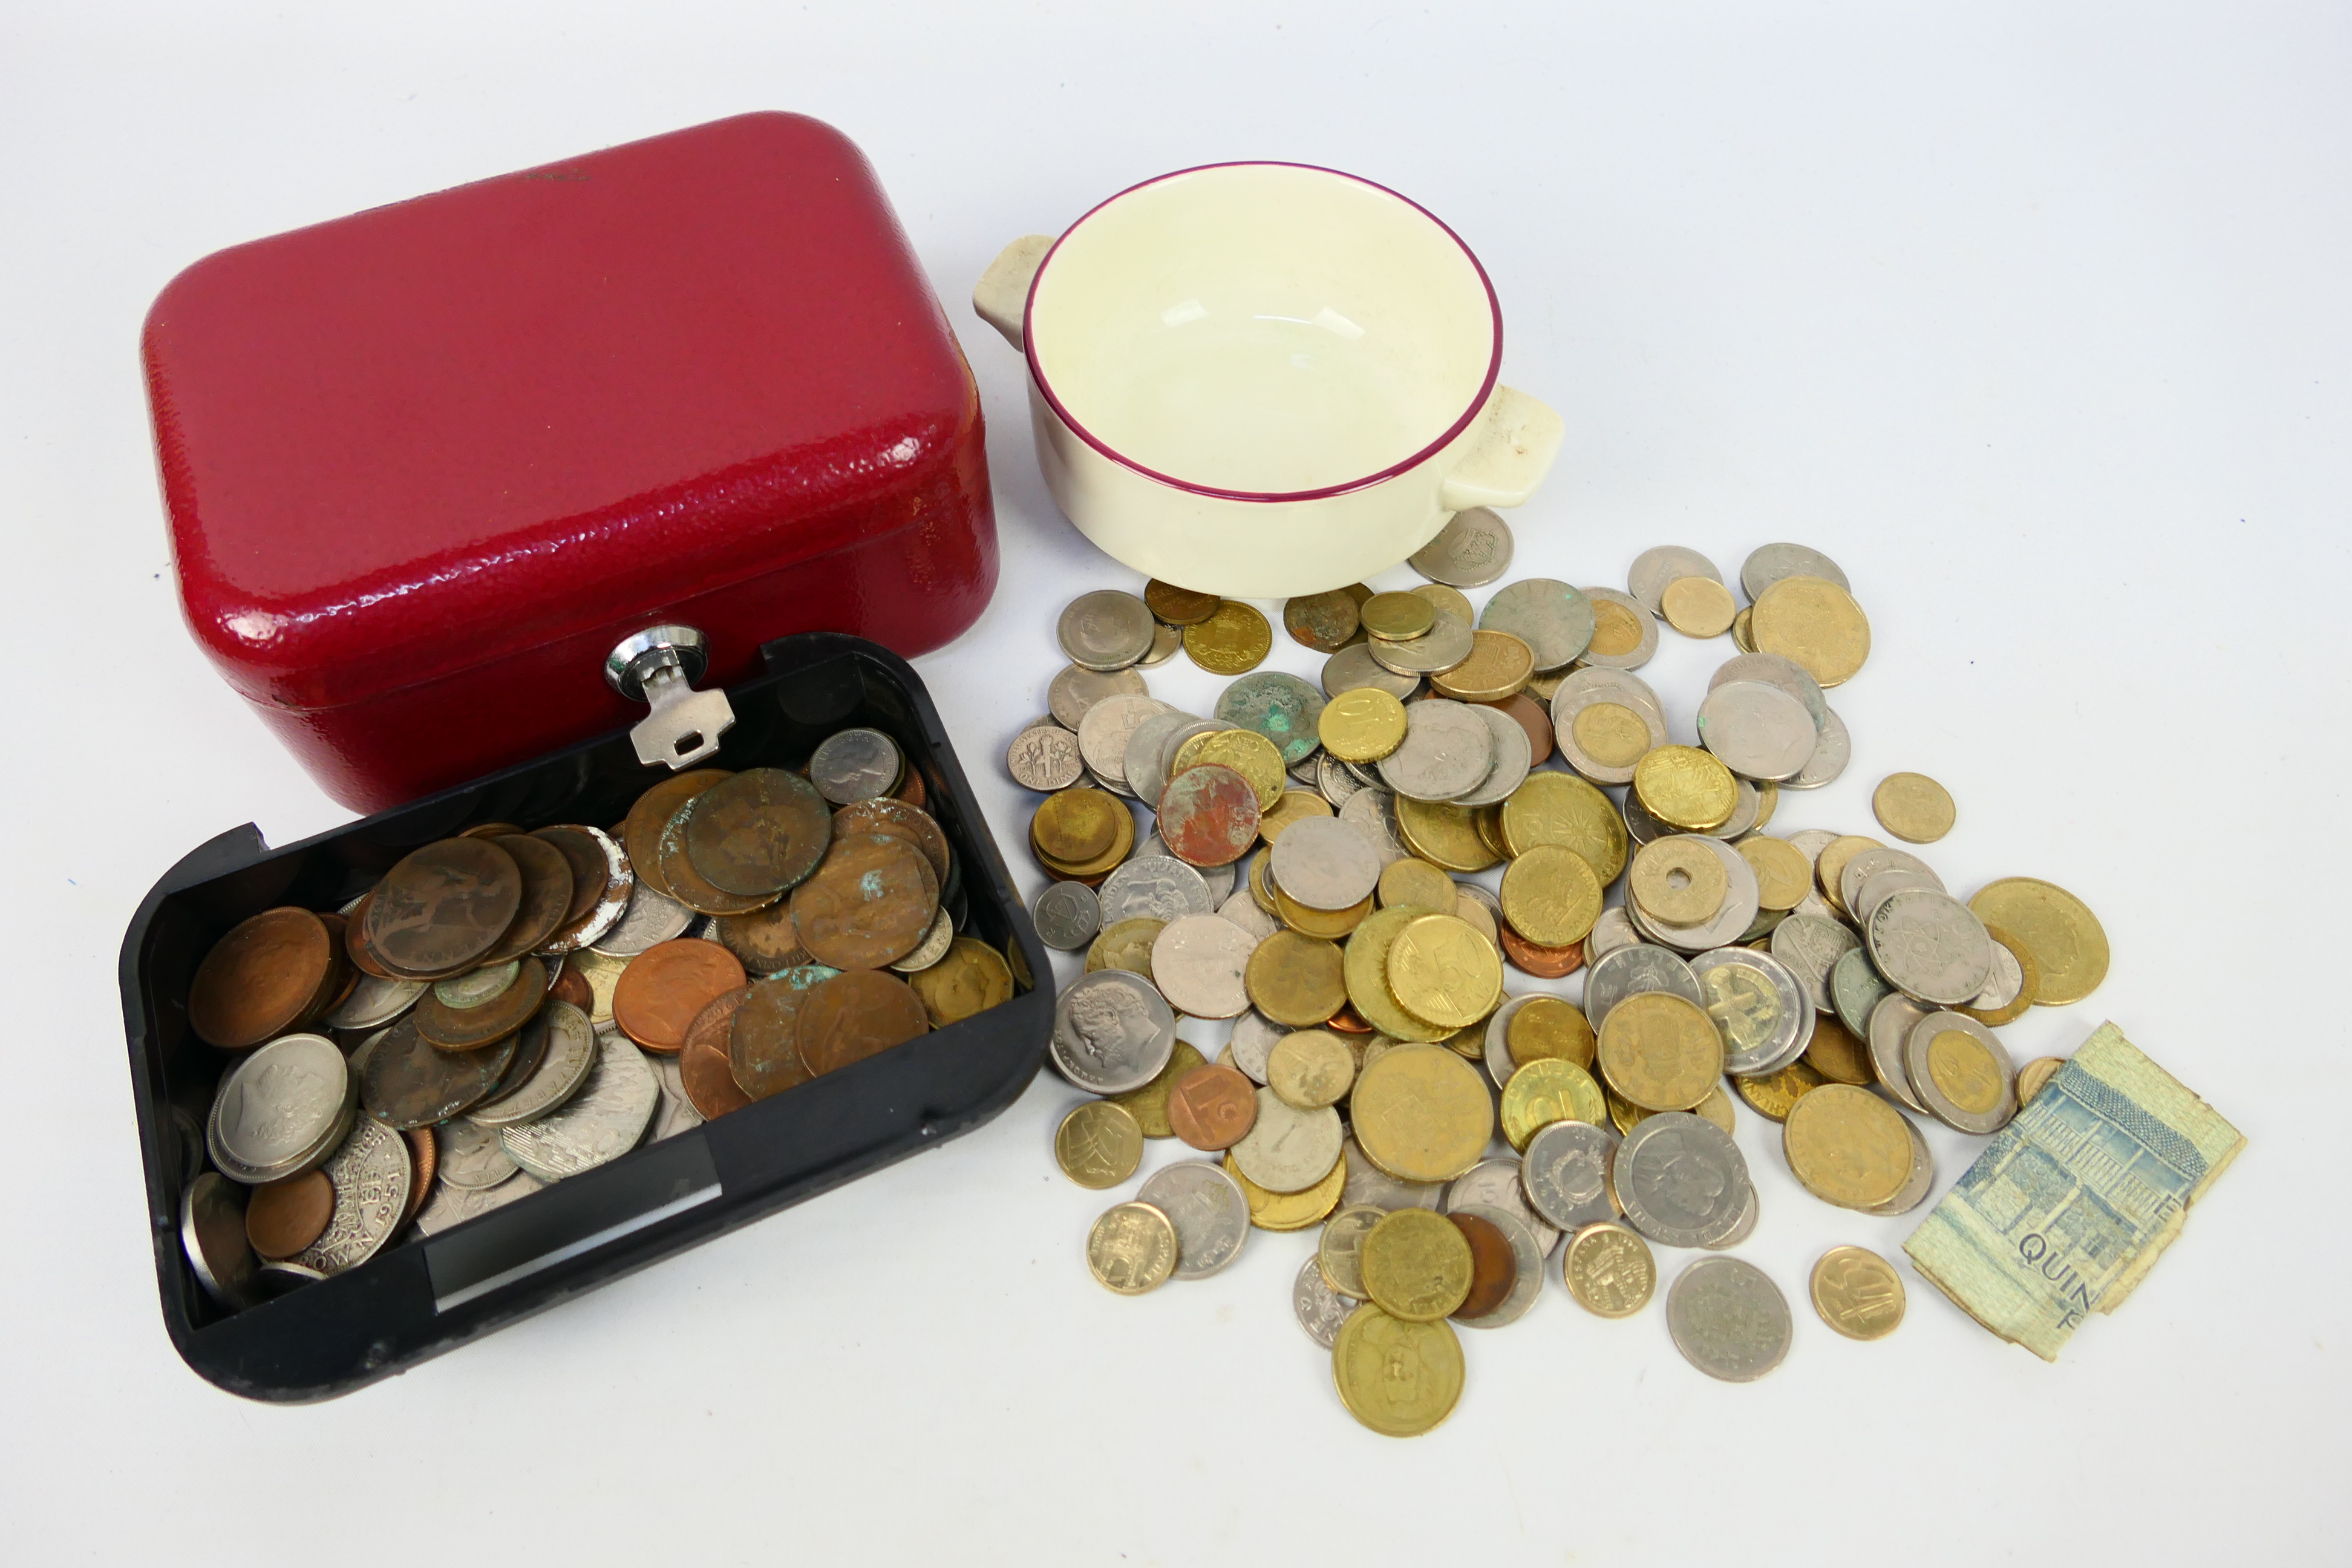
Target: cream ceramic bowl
1262, 380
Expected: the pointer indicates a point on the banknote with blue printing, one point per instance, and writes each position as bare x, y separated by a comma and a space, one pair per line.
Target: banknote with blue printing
2071, 1204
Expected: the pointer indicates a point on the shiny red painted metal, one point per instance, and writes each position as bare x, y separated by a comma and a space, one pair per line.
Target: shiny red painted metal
424, 465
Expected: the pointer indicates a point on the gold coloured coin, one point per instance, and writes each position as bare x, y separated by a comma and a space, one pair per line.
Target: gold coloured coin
1660, 1051
1685, 787
1413, 881
1075, 826
1148, 1105
1296, 805
1857, 1293
1498, 665
1397, 617
1837, 1055
1444, 834
1290, 1211
1616, 630
1562, 809
1611, 734
1232, 640
1610, 1270
1131, 1248
1310, 1069
1362, 725
1814, 622
1847, 1146
1179, 607
1743, 631
1443, 973
1716, 1108
1331, 925
1245, 752
1551, 896
1296, 980
1399, 1379
2068, 944
1767, 801
1421, 1113
1416, 1265
1446, 598
1546, 1029
1912, 806
1366, 966
1698, 607
1125, 945
1546, 1092
1966, 1072
1771, 1095
1099, 1144
1830, 865
1783, 875
969, 979
2020, 1003
1678, 881
2034, 1075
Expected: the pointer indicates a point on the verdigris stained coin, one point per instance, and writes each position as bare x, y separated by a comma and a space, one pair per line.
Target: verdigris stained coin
1280, 707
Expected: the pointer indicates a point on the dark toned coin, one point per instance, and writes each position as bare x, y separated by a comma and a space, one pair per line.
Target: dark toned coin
765, 941
971, 978
597, 855
547, 892
424, 1151
531, 1046
759, 833
1174, 606
1543, 963
571, 985
688, 885
852, 1017
408, 1081
444, 906
871, 902
1323, 622
1494, 1270
1530, 715
491, 830
343, 975
762, 1043
585, 856
665, 987
457, 1029
260, 978
704, 1069
355, 947
1212, 1106
641, 831
1209, 816
899, 820
910, 788
281, 1218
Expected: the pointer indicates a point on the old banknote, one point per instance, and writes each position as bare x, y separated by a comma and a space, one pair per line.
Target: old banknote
2071, 1203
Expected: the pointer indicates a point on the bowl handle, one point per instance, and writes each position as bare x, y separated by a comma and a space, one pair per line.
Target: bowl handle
1001, 295
1517, 439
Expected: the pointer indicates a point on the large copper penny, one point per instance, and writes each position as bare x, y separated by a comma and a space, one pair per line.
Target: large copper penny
765, 939
1543, 963
688, 885
471, 1028
665, 987
602, 883
571, 985
703, 1067
1494, 1268
759, 833
355, 948
547, 892
343, 975
852, 1017
872, 901
899, 820
444, 906
259, 980
641, 832
589, 872
763, 1043
283, 1217
425, 1154
1209, 816
408, 1081
1212, 1106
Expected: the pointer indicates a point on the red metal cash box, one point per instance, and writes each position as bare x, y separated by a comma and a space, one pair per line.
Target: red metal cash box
429, 464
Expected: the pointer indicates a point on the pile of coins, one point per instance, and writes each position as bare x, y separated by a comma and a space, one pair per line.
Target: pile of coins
1300, 876
509, 1008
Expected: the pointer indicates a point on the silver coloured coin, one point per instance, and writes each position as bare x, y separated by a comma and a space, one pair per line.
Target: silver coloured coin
1747, 806
1254, 1038
1890, 1023
1242, 911
1445, 645
1573, 698
1936, 1090
1810, 946
1447, 751
1757, 731
1610, 932
374, 1003
1158, 888
1660, 565
1642, 651
565, 1063
454, 1205
1631, 688
1880, 886
1108, 726
1549, 617
272, 1280
1340, 1250
1326, 864
1321, 1311
1144, 763
1045, 757
1831, 753
676, 1113
1855, 989
854, 764
1775, 669
1728, 1319
1640, 825
620, 886
1172, 741
1851, 877
1630, 970
1068, 916
281, 1111
1372, 813
1768, 564
1354, 666
1106, 629
1526, 1284
1198, 962
1112, 1032
648, 919
470, 1156
1809, 842
2008, 981
602, 1122
1930, 947
1306, 772
1211, 1217
1287, 1150
1075, 690
1566, 1175
1472, 550
1477, 894
1758, 1008
1742, 1229
1497, 1055
1277, 705
212, 1233
931, 950
1919, 1184
1513, 754
1496, 1183
1367, 1184
1367, 776
1333, 782
372, 1174
1732, 917
1681, 1179
1219, 880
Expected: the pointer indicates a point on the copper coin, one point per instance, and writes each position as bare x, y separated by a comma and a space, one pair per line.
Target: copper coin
687, 885
260, 978
344, 975
759, 833
1494, 1270
852, 1017
910, 788
1212, 1106
1348, 1021
281, 1218
1323, 622
355, 947
1530, 715
872, 901
763, 1041
424, 1161
765, 939
1209, 816
491, 830
665, 987
530, 1045
547, 890
641, 831
471, 1028
899, 820
1543, 963
586, 857
409, 1081
597, 858
572, 986
703, 1069
444, 906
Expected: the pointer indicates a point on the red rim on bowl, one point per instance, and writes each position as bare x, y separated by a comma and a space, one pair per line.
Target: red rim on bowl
1046, 389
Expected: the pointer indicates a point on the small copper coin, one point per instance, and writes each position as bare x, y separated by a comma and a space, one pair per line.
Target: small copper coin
1212, 1106
1494, 1268
471, 1028
571, 985
759, 833
546, 895
258, 980
688, 885
665, 987
409, 1081
873, 901
355, 947
441, 908
762, 1038
1530, 715
640, 833
911, 789
706, 1073
424, 1160
855, 1015
1543, 963
283, 1217
1209, 816
765, 939
899, 820
343, 975
1324, 622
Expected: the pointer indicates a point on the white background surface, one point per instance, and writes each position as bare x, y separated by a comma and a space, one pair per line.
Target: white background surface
2034, 318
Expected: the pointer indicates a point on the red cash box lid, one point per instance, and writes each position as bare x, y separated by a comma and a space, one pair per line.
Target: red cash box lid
414, 441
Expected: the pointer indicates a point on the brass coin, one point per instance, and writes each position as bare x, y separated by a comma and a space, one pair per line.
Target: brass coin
1847, 1146
758, 833
1499, 665
1771, 1095
1209, 816
1829, 865
2034, 1075
1324, 622
1362, 725
1678, 881
1444, 834
687, 884
261, 980
1417, 1265
1310, 1069
1213, 1107
765, 941
1421, 1113
1698, 607
1443, 973
704, 1069
471, 1028
1660, 1051
1912, 806
1743, 631
1494, 1266
1366, 960
856, 1015
1099, 1144
1610, 1270
1551, 896
898, 819
1685, 787
1837, 1055
1445, 598
1398, 1378
1548, 1028
1126, 944
2019, 1004
1234, 640
443, 907
1814, 622
281, 1218
1783, 876
546, 889
1611, 734
1290, 1211
1180, 608
1327, 925
1397, 617
1296, 980
1148, 1105
1075, 826
970, 978
1857, 1293
1132, 1249
1546, 1092
873, 899
2068, 944
1415, 881
665, 987
640, 833
1245, 752
1296, 805
1562, 809
1616, 630
762, 1039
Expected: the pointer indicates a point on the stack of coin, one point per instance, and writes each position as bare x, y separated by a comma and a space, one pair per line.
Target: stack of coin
508, 1008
